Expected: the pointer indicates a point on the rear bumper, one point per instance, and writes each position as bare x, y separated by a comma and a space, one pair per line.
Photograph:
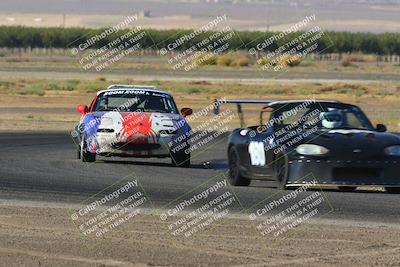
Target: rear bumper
345, 172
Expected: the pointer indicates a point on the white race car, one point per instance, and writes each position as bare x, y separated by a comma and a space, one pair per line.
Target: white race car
133, 121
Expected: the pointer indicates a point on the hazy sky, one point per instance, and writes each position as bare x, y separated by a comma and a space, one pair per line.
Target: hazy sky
353, 15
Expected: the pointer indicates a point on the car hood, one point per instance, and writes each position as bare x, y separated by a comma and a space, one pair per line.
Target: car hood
347, 143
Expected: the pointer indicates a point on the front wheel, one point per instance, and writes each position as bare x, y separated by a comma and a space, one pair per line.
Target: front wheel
235, 178
393, 190
86, 156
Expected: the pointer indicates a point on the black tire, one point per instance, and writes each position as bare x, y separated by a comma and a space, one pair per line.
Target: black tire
281, 171
78, 153
234, 177
180, 160
86, 156
393, 190
347, 188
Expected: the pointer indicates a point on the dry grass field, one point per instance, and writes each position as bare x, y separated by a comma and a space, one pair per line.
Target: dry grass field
50, 105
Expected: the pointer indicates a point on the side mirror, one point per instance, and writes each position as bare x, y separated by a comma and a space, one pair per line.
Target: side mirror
186, 112
381, 128
83, 109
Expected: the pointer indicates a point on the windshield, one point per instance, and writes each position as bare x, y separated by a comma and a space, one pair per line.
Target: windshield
135, 101
322, 115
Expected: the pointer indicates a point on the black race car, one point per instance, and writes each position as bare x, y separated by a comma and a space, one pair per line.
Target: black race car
304, 141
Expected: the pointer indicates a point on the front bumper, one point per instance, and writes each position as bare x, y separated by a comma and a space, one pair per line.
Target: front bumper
108, 144
384, 172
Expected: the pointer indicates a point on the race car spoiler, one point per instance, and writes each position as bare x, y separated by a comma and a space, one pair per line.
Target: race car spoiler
238, 102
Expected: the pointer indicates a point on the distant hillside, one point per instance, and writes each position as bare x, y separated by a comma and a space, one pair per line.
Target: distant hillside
339, 15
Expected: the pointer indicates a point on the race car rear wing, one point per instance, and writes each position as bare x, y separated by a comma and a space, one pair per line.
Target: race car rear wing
238, 102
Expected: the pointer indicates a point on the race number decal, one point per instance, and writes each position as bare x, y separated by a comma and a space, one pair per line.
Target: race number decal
257, 153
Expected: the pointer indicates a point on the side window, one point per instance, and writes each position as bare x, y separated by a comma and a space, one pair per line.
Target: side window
353, 121
291, 117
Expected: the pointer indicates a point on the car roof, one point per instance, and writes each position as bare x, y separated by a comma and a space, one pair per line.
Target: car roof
147, 88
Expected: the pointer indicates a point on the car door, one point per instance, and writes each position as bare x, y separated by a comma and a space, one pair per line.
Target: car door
259, 148
256, 147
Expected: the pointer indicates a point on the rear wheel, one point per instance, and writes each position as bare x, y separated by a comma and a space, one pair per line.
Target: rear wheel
235, 178
347, 188
393, 190
281, 168
86, 156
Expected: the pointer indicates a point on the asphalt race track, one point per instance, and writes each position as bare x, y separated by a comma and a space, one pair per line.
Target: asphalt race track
43, 167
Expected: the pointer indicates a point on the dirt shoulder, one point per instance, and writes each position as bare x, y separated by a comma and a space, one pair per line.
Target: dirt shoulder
42, 236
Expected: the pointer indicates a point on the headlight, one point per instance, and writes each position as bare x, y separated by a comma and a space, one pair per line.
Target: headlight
392, 151
311, 150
